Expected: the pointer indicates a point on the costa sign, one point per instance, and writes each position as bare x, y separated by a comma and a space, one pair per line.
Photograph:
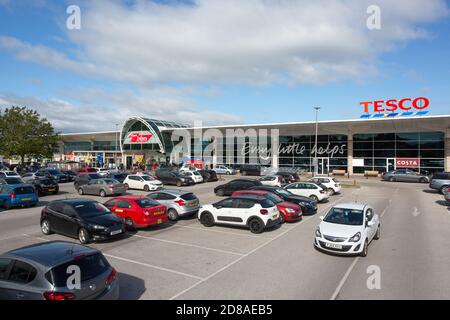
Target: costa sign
407, 163
392, 105
139, 137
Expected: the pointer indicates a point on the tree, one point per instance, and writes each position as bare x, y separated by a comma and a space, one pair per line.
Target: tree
24, 133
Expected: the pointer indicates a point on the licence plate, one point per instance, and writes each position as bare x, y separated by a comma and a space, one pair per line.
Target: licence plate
158, 213
193, 204
51, 190
113, 233
332, 245
26, 199
159, 221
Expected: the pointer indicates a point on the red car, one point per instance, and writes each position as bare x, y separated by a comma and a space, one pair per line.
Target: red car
290, 212
138, 211
87, 170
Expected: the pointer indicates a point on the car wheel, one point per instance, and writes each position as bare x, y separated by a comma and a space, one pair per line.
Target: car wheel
365, 249
129, 223
83, 236
173, 215
256, 225
283, 218
146, 188
314, 197
207, 219
378, 234
441, 190
46, 227
331, 191
102, 193
228, 173
220, 193
6, 205
423, 180
80, 191
392, 179
178, 183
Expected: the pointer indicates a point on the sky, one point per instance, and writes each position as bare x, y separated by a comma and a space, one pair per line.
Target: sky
221, 62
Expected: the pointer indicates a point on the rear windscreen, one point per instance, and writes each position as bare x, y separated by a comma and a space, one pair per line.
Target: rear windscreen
13, 180
146, 203
23, 190
91, 266
188, 196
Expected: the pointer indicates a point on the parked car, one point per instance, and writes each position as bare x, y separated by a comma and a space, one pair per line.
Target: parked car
84, 178
308, 205
194, 175
69, 174
18, 195
102, 188
440, 181
173, 177
142, 182
289, 211
41, 272
235, 185
250, 170
179, 203
446, 192
221, 169
311, 190
103, 172
54, 174
138, 211
117, 176
12, 181
348, 228
275, 181
290, 177
333, 186
405, 175
84, 219
87, 170
208, 175
255, 212
45, 186
9, 174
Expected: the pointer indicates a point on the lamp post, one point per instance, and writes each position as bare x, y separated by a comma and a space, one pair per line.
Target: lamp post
316, 163
115, 153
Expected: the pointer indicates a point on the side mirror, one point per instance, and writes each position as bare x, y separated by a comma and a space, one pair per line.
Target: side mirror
369, 223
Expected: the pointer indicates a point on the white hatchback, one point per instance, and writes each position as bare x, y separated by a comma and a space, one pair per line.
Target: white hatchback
142, 182
347, 229
274, 181
194, 175
333, 186
256, 213
309, 189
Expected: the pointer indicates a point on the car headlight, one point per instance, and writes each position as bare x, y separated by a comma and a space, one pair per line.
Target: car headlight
290, 210
355, 238
318, 233
97, 227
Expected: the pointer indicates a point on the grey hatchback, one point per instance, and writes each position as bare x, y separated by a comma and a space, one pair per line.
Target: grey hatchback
103, 187
178, 202
45, 271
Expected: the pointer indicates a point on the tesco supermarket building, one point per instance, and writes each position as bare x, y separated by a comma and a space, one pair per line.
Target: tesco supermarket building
374, 144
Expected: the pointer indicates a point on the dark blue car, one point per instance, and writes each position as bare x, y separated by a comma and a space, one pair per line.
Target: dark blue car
21, 195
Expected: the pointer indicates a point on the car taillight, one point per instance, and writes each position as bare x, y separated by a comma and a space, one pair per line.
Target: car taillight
12, 195
180, 202
263, 211
111, 186
58, 296
112, 276
322, 191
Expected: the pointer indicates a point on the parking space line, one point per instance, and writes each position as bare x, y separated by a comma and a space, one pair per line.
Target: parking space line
220, 231
152, 266
35, 237
344, 279
186, 244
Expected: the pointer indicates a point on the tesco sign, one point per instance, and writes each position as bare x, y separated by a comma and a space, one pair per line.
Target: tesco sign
407, 163
392, 105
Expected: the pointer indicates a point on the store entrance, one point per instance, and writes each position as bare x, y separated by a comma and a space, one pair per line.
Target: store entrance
323, 166
129, 162
390, 164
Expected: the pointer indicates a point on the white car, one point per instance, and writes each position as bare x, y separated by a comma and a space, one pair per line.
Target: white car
308, 189
194, 175
256, 213
274, 181
220, 169
333, 186
348, 229
142, 182
9, 174
103, 172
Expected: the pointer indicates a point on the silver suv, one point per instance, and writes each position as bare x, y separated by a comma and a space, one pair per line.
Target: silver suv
179, 203
440, 180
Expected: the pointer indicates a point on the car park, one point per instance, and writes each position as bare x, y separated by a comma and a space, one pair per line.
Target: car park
41, 272
289, 212
440, 181
333, 186
103, 188
142, 182
275, 181
208, 175
255, 212
138, 211
179, 203
311, 190
18, 195
405, 175
194, 175
84, 178
172, 177
11, 181
308, 205
45, 186
235, 185
85, 220
220, 169
348, 229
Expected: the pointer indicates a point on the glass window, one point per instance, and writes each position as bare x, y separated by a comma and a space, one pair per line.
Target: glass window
432, 153
110, 203
345, 216
4, 264
22, 273
407, 136
245, 204
124, 204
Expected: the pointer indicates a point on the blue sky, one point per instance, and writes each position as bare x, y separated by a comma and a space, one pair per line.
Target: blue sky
219, 63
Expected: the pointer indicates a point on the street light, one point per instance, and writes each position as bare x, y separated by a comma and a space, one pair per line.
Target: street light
115, 153
316, 163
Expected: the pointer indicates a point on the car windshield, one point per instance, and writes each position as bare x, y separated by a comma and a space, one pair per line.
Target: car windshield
147, 178
274, 198
90, 209
283, 192
53, 171
146, 203
350, 217
13, 180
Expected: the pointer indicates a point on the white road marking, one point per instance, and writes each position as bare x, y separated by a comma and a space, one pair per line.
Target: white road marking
35, 237
344, 279
186, 244
220, 231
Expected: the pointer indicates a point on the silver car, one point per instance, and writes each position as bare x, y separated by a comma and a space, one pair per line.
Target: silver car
46, 271
221, 169
103, 188
405, 175
179, 203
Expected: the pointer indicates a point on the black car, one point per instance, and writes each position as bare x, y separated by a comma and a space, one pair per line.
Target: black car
86, 220
208, 175
45, 186
54, 174
236, 185
289, 177
84, 178
71, 175
174, 178
250, 170
308, 206
117, 176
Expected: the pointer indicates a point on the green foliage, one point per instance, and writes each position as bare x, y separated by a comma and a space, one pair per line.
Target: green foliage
23, 133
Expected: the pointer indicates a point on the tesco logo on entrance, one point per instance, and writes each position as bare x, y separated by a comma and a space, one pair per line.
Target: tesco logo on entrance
392, 105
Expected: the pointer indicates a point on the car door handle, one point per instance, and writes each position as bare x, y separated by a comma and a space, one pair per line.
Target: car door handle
20, 295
